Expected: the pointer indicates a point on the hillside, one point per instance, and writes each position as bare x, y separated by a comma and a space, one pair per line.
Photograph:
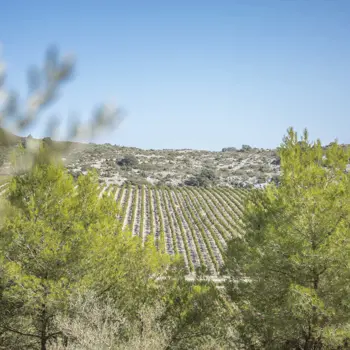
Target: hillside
7, 140
174, 167
230, 167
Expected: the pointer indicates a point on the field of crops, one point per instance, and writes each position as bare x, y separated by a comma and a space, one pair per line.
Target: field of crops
195, 222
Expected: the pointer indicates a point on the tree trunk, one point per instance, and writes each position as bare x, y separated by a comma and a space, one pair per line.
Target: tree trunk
43, 343
43, 338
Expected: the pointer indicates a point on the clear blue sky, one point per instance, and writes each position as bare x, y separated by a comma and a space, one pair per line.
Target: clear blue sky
194, 73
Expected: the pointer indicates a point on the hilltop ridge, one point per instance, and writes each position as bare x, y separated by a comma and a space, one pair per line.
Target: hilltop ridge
231, 167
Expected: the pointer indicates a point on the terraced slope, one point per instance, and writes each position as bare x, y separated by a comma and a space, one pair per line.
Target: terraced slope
195, 222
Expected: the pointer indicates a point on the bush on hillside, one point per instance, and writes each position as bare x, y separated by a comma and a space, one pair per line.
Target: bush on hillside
246, 148
229, 149
205, 178
129, 161
47, 141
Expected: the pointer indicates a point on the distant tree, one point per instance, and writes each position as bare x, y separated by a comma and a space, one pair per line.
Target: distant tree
290, 272
276, 161
229, 149
246, 148
205, 178
129, 161
47, 141
208, 174
56, 238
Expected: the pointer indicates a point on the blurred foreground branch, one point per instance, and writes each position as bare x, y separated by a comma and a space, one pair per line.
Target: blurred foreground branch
43, 89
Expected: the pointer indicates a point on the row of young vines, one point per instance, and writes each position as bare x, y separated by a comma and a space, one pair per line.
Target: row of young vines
193, 222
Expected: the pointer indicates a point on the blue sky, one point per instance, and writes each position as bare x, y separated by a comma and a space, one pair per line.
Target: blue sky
194, 73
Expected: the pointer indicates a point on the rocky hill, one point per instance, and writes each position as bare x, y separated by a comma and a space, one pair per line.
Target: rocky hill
116, 165
230, 167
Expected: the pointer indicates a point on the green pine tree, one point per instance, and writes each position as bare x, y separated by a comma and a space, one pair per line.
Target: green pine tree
291, 271
58, 237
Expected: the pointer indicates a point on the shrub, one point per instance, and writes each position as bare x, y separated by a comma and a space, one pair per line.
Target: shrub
246, 148
129, 161
205, 178
276, 161
229, 149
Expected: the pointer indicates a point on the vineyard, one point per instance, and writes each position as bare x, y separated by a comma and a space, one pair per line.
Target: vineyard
194, 222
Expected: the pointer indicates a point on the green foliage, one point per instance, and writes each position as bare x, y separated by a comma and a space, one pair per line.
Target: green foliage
97, 324
229, 149
45, 239
3, 152
290, 272
246, 148
194, 315
187, 317
57, 237
129, 161
37, 152
60, 239
47, 141
127, 271
44, 84
205, 178
8, 139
